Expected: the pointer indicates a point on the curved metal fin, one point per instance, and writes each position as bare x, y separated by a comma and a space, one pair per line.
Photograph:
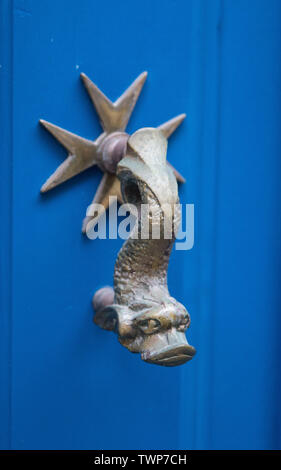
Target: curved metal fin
168, 128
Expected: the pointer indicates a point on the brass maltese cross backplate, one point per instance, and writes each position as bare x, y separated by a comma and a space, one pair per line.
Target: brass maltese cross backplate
109, 148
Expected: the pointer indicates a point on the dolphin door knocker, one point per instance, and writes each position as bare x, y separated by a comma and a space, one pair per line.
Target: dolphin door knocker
139, 309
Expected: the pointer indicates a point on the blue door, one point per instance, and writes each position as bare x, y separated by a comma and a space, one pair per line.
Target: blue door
66, 384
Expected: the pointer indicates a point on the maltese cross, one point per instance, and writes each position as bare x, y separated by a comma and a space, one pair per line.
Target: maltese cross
108, 149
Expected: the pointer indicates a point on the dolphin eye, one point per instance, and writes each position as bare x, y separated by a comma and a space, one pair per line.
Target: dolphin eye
149, 326
184, 323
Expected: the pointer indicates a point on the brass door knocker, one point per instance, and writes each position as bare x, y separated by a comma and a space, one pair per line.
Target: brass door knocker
139, 308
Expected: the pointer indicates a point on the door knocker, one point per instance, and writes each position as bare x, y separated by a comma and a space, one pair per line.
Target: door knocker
139, 309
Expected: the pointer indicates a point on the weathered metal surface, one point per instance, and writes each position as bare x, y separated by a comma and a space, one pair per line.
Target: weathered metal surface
108, 148
140, 309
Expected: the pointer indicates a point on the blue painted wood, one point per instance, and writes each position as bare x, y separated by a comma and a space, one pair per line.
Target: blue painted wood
235, 402
65, 383
202, 148
6, 201
74, 386
245, 399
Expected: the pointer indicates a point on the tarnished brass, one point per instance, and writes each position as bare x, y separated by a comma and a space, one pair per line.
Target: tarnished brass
139, 309
108, 148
